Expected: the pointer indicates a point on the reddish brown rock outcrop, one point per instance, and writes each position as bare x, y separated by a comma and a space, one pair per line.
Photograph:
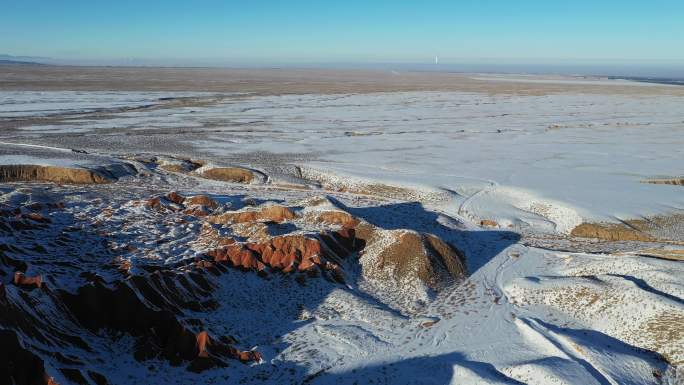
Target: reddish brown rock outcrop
179, 165
610, 232
488, 223
198, 206
36, 217
291, 253
127, 286
670, 181
175, 197
210, 353
154, 203
146, 302
335, 217
67, 175
235, 254
274, 213
197, 211
228, 174
201, 200
22, 280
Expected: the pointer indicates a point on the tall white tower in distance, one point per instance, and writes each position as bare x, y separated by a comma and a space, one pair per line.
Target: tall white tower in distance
436, 59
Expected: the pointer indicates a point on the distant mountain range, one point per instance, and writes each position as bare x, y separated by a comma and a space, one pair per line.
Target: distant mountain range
22, 60
19, 62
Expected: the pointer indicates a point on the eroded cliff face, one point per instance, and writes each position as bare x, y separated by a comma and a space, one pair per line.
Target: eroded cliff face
146, 274
35, 163
34, 173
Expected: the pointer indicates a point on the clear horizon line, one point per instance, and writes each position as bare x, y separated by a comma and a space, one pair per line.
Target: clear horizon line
427, 60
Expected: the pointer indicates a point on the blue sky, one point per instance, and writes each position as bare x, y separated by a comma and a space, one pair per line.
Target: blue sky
346, 31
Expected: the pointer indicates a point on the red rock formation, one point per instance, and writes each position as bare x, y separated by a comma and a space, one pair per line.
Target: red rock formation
249, 356
25, 281
488, 223
201, 346
155, 303
175, 198
123, 265
340, 218
196, 211
154, 203
237, 255
290, 253
146, 306
55, 174
36, 217
198, 206
228, 174
273, 213
210, 352
201, 200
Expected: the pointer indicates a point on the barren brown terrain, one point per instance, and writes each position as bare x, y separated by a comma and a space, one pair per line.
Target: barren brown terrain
276, 81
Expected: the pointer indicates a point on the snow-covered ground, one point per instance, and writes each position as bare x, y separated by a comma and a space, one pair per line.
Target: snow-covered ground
549, 162
32, 104
523, 315
433, 162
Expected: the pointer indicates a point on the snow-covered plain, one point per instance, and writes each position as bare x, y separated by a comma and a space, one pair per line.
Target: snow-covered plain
582, 155
28, 104
525, 314
547, 162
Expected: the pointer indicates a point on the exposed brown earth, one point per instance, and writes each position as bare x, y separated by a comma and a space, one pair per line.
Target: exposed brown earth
186, 166
673, 255
488, 223
201, 200
181, 166
279, 81
659, 228
340, 218
409, 255
671, 181
610, 232
274, 213
228, 174
66, 175
22, 280
424, 256
174, 168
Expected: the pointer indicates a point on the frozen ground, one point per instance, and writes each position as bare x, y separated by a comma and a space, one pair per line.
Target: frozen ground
545, 162
523, 315
533, 309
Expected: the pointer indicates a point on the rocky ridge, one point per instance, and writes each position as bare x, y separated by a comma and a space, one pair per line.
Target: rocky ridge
107, 284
